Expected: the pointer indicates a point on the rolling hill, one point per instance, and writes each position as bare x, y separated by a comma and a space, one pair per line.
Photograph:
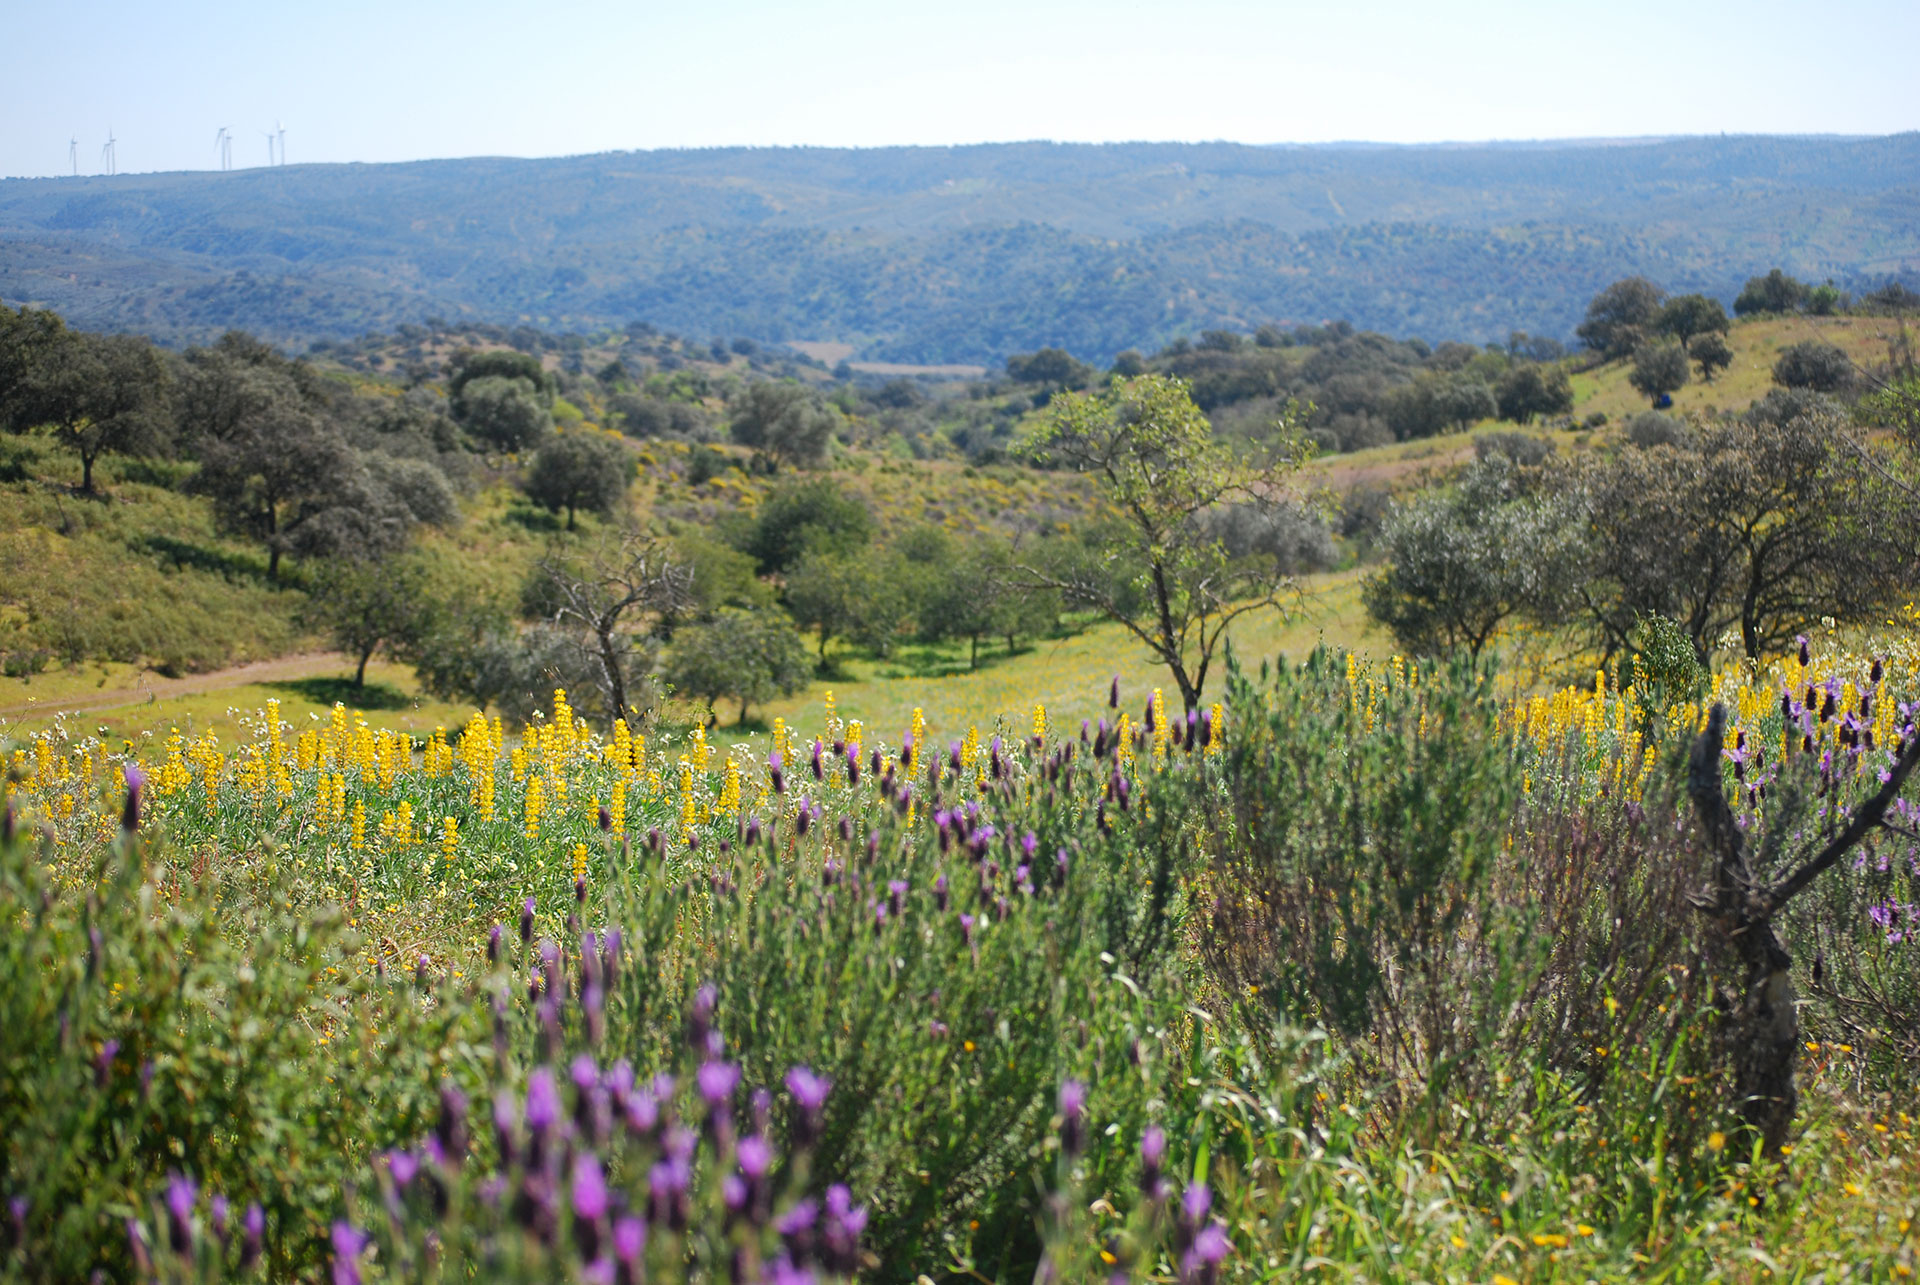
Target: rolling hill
961, 254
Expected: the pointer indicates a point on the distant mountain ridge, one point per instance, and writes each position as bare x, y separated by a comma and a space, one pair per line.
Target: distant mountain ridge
962, 253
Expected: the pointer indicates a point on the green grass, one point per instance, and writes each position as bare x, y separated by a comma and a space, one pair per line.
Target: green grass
1070, 676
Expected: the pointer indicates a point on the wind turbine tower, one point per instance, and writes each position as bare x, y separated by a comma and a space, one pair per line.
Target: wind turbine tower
107, 153
73, 154
281, 131
223, 145
269, 134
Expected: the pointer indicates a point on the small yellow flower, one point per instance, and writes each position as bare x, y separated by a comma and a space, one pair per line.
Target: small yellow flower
1583, 1230
1852, 1189
1549, 1239
1458, 1243
968, 1046
1498, 1279
1716, 1140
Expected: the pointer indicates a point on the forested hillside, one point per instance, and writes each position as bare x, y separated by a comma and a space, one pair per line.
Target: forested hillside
960, 254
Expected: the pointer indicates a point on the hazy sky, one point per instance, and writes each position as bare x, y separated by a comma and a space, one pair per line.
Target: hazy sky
357, 81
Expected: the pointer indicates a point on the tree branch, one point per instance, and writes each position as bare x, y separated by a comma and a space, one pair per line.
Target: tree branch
1864, 819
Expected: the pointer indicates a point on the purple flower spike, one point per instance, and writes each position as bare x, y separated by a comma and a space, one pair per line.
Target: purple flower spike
717, 1081
590, 1199
1073, 1111
404, 1166
1113, 693
629, 1241
1196, 1201
349, 1242
756, 1156
130, 815
809, 1090
526, 921
180, 1197
103, 1062
219, 1213
1029, 844
253, 1235
543, 1101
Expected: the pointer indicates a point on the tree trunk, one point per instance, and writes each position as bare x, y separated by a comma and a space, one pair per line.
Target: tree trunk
973, 657
86, 473
360, 674
1759, 1035
569, 517
743, 709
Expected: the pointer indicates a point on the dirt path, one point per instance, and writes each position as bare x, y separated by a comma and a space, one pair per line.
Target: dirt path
151, 686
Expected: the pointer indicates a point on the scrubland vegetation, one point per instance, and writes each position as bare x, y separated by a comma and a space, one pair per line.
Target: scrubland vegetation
1572, 942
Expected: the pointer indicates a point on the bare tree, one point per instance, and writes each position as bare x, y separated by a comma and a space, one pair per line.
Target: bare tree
1761, 1035
601, 604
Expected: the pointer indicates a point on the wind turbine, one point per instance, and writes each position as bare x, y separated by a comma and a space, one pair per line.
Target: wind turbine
269, 134
73, 154
280, 129
107, 153
223, 145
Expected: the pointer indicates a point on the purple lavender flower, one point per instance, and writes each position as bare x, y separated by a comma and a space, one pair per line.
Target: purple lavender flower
629, 1242
348, 1244
543, 1102
1153, 1153
906, 750
253, 1235
1113, 693
810, 1095
180, 1197
716, 1082
897, 895
1195, 1202
219, 1213
526, 921
103, 1062
130, 814
1073, 1109
940, 894
404, 1166
755, 1154
966, 928
590, 1198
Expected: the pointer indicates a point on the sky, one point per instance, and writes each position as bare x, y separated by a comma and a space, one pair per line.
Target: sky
400, 80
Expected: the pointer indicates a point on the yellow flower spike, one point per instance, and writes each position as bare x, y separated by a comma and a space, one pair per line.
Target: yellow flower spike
449, 839
536, 801
579, 862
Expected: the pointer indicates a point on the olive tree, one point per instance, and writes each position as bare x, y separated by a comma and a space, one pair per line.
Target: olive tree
577, 470
1463, 561
1659, 367
752, 656
784, 423
96, 394
1158, 569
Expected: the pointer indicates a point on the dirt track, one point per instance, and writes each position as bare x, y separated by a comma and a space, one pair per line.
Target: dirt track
151, 686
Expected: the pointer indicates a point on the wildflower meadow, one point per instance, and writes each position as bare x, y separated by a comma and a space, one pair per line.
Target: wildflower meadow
1362, 971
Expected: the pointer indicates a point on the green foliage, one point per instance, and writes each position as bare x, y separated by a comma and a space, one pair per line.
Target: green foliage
365, 606
1710, 353
1689, 316
1464, 562
147, 1039
1774, 293
1620, 316
1659, 367
580, 470
784, 423
863, 596
95, 393
504, 414
752, 656
813, 516
1162, 571
1814, 365
1050, 367
1529, 389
